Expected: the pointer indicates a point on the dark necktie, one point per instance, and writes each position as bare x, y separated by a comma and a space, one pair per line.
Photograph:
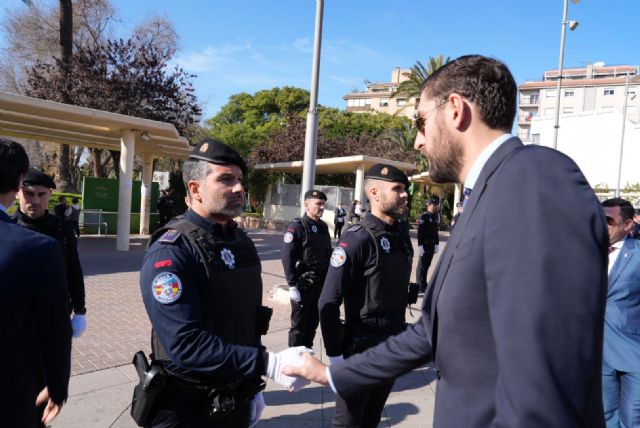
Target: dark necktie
465, 196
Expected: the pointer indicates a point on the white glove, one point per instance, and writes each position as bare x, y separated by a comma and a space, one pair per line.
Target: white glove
294, 294
78, 325
335, 360
257, 407
288, 357
435, 250
420, 250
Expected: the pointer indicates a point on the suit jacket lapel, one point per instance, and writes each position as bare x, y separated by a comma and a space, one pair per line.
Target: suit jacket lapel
440, 273
621, 262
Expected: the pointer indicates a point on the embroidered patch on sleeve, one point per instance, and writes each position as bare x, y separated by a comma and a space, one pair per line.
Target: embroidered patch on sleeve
170, 236
288, 237
338, 257
166, 287
163, 263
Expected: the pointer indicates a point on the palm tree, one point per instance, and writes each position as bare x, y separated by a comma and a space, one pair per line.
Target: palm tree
418, 74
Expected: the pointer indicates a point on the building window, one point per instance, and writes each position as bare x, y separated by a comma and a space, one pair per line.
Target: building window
567, 110
401, 102
534, 99
359, 102
608, 91
384, 103
551, 93
569, 93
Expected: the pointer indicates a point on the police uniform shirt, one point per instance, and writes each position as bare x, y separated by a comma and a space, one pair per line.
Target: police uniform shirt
345, 280
292, 248
178, 319
59, 230
428, 229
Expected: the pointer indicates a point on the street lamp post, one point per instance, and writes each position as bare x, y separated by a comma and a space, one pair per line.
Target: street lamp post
572, 26
311, 133
624, 121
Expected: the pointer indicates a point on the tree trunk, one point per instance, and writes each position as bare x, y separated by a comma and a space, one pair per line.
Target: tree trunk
63, 173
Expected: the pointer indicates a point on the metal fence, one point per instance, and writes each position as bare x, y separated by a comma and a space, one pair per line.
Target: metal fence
289, 195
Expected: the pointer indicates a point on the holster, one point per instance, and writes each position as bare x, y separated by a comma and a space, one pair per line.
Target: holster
222, 401
263, 317
151, 384
412, 293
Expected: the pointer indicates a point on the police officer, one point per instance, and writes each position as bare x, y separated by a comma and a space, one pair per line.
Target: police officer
34, 310
428, 241
369, 272
33, 214
202, 289
305, 258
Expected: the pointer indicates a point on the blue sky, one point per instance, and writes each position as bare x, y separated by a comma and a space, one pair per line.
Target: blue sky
248, 45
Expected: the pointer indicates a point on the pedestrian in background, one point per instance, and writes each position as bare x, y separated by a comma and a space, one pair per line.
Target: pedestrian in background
338, 220
428, 241
72, 216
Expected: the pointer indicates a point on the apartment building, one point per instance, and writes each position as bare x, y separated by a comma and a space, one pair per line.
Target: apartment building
378, 97
593, 88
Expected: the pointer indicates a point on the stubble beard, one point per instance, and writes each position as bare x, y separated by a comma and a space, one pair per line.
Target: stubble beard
396, 210
222, 207
445, 157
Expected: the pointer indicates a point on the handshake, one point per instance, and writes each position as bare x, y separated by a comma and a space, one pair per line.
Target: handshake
294, 367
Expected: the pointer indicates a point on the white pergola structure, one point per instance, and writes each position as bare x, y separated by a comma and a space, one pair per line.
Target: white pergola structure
423, 179
342, 165
35, 119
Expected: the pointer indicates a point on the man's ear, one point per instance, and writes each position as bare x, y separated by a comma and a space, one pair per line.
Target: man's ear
458, 109
193, 186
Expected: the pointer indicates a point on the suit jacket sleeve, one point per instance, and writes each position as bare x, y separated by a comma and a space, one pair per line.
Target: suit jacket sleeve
396, 356
545, 265
52, 322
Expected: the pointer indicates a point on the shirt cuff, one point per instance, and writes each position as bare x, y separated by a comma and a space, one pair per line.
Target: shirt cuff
330, 379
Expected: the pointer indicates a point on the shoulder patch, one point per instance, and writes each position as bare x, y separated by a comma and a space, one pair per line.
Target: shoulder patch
166, 287
170, 236
338, 257
288, 237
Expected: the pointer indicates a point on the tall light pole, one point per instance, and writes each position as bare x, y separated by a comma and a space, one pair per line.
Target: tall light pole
572, 26
624, 121
311, 134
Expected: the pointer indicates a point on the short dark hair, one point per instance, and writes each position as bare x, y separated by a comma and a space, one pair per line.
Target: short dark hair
14, 163
75, 200
62, 198
626, 209
486, 82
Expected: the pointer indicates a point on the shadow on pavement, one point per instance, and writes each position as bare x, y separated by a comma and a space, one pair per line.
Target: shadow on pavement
98, 255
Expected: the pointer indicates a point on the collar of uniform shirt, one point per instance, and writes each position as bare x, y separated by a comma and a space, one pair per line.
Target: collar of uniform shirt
477, 166
387, 226
215, 229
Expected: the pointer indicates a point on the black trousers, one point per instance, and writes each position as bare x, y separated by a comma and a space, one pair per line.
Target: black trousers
305, 317
337, 230
362, 410
423, 265
175, 411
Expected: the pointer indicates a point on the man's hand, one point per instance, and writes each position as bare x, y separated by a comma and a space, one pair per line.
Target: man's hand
294, 294
288, 357
311, 370
51, 410
78, 325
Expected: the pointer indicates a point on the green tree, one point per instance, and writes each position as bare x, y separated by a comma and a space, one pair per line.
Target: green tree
418, 74
247, 120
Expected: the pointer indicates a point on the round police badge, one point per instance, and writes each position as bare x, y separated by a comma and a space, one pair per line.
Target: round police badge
228, 258
338, 257
166, 288
288, 237
385, 244
314, 228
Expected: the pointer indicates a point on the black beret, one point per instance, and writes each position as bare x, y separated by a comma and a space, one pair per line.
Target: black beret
35, 177
381, 171
434, 201
217, 152
315, 194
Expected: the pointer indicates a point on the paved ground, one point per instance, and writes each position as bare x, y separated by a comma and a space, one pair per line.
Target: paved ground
103, 377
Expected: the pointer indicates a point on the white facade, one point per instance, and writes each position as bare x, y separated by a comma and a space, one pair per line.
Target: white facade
592, 139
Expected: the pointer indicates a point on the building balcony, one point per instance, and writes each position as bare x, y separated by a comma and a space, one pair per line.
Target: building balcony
359, 109
525, 118
531, 101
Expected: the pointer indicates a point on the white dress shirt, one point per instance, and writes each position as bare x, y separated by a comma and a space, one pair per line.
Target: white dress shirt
613, 255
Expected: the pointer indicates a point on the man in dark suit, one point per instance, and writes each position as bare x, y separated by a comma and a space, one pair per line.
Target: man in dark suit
513, 316
34, 304
621, 365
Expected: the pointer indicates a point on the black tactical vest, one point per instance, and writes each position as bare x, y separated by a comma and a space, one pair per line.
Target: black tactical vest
386, 282
233, 292
316, 247
47, 224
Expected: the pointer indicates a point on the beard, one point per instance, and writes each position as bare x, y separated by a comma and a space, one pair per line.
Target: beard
226, 207
445, 157
396, 209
